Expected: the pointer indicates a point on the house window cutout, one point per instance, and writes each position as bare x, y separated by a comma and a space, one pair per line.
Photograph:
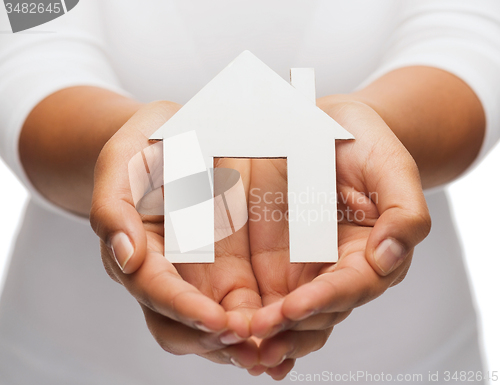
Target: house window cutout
248, 111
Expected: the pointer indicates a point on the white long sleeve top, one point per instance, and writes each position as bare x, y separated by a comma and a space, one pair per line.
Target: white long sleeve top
63, 321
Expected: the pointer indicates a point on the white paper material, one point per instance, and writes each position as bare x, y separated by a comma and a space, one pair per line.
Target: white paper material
248, 111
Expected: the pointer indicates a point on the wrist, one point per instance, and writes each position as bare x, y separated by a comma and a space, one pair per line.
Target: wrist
435, 115
61, 140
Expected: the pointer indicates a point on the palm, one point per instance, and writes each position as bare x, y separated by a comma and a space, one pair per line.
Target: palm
269, 237
269, 233
229, 281
334, 289
252, 267
189, 308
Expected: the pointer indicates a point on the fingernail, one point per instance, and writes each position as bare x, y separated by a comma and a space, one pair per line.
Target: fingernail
236, 363
122, 249
281, 361
230, 338
203, 328
389, 255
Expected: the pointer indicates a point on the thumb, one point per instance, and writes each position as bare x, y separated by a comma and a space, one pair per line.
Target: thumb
404, 221
121, 178
115, 220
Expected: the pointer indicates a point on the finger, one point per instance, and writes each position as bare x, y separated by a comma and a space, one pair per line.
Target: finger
179, 339
320, 321
291, 344
404, 219
257, 370
244, 355
238, 328
231, 279
388, 174
158, 286
279, 372
352, 283
241, 300
268, 206
269, 321
232, 284
234, 278
113, 215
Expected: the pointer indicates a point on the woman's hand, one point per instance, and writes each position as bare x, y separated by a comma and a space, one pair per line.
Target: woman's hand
412, 116
378, 180
190, 307
203, 309
436, 116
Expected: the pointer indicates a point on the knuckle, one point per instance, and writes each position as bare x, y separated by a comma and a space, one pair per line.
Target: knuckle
422, 222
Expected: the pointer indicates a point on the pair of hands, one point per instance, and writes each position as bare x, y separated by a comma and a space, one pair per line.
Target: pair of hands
252, 308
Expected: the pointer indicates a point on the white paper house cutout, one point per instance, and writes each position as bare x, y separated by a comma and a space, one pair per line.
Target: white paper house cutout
249, 111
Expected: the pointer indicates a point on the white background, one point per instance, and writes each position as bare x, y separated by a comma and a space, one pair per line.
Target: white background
475, 198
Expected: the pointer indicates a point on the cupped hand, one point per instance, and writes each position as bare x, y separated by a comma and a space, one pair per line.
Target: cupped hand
202, 309
382, 217
206, 309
